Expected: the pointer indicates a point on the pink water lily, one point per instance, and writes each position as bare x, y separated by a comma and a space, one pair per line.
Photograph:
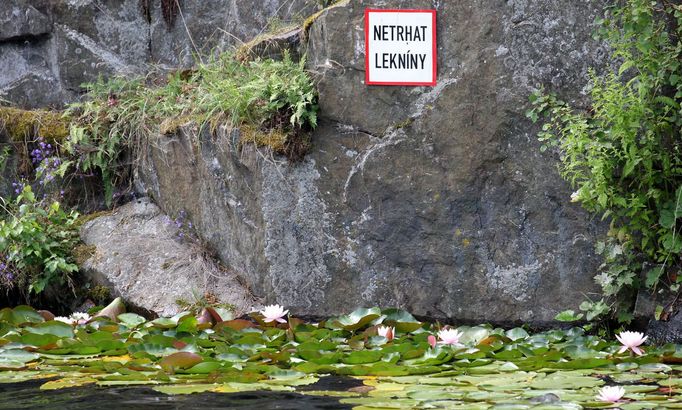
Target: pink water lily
632, 341
611, 394
386, 331
432, 341
449, 336
274, 313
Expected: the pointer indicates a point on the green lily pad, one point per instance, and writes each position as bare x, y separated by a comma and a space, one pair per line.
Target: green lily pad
402, 320
131, 320
363, 357
517, 334
356, 320
185, 388
66, 383
52, 327
565, 381
20, 315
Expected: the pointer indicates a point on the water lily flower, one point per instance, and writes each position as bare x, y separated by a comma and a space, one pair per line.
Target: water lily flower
631, 340
274, 313
80, 318
386, 331
432, 341
449, 336
76, 318
611, 394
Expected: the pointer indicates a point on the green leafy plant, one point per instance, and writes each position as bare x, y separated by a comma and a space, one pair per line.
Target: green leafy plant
36, 240
623, 153
4, 156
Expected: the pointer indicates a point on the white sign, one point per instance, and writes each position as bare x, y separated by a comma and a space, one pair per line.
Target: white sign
400, 47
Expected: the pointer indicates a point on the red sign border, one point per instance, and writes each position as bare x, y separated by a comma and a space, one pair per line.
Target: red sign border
435, 48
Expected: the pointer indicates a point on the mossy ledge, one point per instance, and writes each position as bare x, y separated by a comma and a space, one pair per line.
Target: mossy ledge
83, 219
21, 124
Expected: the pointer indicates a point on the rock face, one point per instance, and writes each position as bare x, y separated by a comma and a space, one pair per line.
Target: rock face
437, 200
7, 167
49, 48
140, 254
660, 333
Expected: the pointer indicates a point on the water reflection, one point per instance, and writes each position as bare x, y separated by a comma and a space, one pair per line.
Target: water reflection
27, 395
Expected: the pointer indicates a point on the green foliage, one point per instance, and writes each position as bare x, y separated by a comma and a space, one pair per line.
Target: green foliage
120, 113
568, 316
4, 156
36, 240
623, 154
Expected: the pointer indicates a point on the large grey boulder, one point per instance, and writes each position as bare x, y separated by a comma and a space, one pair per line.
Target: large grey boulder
437, 200
141, 256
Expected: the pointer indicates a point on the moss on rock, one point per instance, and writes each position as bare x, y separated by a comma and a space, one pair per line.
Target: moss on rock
275, 139
82, 253
83, 219
21, 124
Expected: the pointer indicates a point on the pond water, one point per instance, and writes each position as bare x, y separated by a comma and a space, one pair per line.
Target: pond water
27, 395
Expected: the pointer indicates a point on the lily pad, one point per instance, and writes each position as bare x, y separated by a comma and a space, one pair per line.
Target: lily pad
402, 320
356, 320
180, 360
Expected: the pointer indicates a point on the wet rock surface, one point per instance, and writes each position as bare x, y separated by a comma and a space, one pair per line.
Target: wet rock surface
140, 254
660, 332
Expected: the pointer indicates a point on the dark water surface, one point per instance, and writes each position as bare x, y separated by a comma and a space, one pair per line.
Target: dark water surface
27, 395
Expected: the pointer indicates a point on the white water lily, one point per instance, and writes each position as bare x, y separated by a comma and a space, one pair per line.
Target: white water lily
386, 331
449, 336
80, 318
274, 313
611, 394
76, 318
632, 341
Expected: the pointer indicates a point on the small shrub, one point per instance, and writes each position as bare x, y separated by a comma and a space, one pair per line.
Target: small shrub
36, 240
624, 156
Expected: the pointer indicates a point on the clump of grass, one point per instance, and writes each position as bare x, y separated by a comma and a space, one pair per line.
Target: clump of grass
270, 97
